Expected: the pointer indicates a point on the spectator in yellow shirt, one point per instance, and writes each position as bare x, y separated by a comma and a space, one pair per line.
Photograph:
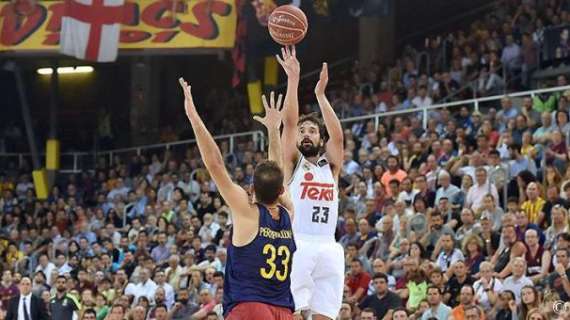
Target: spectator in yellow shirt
532, 207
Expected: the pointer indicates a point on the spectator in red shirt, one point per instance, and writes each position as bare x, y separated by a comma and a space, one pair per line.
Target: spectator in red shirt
357, 281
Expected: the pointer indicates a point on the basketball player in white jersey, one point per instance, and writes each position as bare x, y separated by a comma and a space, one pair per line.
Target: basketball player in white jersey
317, 278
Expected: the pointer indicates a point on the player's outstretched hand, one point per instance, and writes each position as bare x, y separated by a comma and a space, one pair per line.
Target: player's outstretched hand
323, 80
189, 106
289, 62
273, 116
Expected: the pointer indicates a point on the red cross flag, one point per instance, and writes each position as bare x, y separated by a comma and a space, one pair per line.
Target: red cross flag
90, 29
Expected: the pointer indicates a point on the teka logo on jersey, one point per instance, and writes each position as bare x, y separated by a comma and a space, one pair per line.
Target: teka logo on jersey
316, 190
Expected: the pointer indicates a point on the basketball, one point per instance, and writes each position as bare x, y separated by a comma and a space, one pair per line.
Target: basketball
287, 25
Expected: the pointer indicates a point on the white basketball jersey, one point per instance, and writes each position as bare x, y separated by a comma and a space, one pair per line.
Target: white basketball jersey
314, 193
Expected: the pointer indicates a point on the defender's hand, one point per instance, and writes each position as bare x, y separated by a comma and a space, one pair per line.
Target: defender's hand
273, 116
188, 100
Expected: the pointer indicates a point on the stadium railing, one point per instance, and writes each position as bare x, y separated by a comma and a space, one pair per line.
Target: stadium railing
474, 103
74, 162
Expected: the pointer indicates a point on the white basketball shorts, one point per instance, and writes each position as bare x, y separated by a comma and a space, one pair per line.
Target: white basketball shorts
317, 275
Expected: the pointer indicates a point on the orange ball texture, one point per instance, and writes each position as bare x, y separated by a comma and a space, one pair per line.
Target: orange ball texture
287, 25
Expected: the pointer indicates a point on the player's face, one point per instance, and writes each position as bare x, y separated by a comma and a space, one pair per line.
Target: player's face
309, 139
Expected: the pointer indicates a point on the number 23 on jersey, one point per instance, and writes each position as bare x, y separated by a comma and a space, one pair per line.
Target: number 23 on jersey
280, 272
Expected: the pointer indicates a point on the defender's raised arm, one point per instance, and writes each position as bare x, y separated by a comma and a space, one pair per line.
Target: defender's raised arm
234, 195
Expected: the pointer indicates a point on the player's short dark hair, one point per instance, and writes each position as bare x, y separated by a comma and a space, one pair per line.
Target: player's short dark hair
316, 120
267, 182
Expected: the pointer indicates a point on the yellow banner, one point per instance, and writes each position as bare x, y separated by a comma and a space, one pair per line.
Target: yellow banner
157, 24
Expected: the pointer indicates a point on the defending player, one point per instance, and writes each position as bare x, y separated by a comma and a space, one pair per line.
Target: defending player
257, 279
317, 279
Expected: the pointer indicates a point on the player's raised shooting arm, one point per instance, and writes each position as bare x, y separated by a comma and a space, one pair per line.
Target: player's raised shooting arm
234, 195
335, 144
292, 68
272, 121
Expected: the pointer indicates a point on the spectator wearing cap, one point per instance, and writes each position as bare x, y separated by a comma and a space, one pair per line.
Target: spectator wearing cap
446, 189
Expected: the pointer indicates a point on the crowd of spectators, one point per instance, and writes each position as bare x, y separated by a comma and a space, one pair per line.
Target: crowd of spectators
425, 222
496, 54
